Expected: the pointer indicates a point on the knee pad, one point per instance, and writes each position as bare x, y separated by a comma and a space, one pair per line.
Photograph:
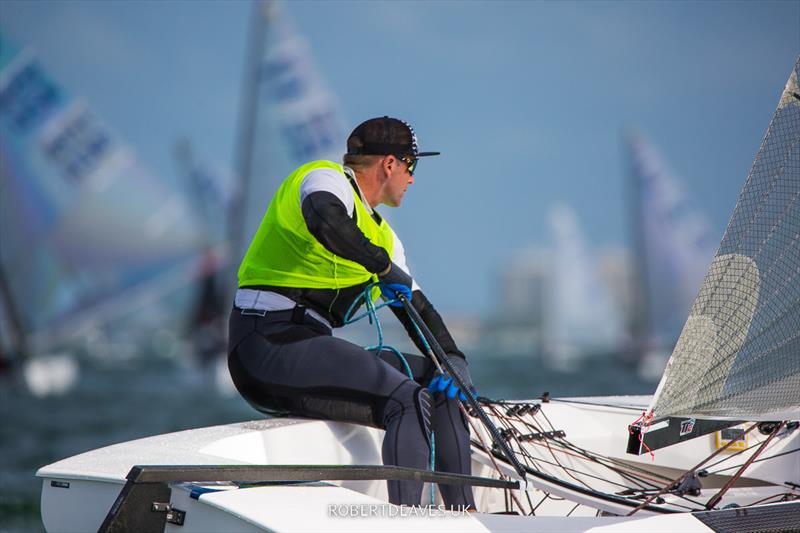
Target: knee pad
410, 400
424, 403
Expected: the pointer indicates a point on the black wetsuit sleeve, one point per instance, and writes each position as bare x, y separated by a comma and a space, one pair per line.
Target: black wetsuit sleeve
328, 221
434, 322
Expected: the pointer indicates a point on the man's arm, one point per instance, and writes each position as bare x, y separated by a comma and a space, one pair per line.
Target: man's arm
325, 211
436, 326
434, 322
328, 221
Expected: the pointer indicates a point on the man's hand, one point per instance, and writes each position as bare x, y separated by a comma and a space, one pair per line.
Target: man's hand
444, 382
394, 280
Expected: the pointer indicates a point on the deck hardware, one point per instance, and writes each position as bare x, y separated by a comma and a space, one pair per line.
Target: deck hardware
545, 397
537, 435
508, 433
690, 485
665, 432
531, 408
766, 428
174, 516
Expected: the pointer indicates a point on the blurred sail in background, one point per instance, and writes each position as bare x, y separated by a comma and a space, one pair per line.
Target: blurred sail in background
288, 117
673, 248
583, 318
87, 233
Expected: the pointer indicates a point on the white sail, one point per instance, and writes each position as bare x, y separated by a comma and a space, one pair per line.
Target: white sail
673, 250
737, 356
84, 222
289, 117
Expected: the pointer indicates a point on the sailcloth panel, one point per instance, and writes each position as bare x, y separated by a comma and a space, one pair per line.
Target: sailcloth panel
83, 222
296, 117
738, 355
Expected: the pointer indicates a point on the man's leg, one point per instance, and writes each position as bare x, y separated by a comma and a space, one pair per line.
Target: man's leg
320, 376
450, 429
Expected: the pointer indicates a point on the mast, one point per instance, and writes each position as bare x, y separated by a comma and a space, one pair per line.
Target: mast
19, 343
639, 321
248, 119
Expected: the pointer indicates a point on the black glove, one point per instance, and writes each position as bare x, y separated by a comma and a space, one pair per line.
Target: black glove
393, 282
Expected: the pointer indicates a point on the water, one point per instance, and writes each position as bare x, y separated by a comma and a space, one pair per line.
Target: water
147, 396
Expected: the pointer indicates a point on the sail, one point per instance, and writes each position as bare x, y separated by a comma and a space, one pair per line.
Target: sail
673, 250
737, 356
289, 117
583, 318
82, 219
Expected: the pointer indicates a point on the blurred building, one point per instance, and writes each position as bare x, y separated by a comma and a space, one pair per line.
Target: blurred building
516, 328
673, 246
561, 303
615, 269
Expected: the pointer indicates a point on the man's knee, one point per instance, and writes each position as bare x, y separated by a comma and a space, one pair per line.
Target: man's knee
425, 411
410, 399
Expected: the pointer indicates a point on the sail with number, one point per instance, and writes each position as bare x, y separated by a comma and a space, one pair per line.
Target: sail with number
738, 354
86, 228
289, 117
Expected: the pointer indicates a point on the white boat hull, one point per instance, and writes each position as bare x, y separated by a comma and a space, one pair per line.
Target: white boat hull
78, 492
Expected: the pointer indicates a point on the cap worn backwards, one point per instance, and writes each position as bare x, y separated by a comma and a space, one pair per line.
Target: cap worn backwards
385, 136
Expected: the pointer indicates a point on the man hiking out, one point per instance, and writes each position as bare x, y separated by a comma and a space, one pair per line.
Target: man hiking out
320, 245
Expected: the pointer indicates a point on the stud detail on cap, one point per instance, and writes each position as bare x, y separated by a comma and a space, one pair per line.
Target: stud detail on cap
413, 136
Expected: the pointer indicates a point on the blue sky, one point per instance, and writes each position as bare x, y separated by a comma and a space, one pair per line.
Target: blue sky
526, 100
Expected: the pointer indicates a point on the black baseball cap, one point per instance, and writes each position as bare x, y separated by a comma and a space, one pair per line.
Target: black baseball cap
385, 136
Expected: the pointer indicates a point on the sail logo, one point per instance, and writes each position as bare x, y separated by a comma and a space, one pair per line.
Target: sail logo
27, 96
687, 426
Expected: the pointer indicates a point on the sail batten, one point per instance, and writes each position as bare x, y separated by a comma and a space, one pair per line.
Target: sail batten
738, 355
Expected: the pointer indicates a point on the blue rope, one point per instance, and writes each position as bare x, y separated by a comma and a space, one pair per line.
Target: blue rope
372, 314
433, 465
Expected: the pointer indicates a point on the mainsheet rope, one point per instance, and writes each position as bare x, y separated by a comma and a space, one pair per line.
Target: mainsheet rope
646, 484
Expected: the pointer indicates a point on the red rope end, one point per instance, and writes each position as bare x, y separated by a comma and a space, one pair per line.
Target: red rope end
646, 422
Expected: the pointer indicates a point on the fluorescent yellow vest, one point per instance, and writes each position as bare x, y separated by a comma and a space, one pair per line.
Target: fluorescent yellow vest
284, 253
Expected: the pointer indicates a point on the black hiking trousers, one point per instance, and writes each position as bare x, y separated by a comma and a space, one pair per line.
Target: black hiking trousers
288, 362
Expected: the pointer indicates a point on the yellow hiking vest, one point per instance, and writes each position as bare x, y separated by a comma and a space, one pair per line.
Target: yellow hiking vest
283, 253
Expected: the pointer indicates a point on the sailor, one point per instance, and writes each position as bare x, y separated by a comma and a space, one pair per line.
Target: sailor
319, 245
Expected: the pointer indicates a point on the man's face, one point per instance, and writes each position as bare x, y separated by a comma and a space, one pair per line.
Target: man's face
397, 181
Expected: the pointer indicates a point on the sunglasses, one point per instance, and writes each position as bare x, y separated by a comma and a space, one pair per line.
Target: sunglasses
411, 163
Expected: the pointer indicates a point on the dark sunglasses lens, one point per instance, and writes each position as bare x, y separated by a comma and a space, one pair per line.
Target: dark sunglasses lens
412, 166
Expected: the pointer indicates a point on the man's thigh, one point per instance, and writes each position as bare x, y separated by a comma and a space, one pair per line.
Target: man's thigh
331, 378
422, 369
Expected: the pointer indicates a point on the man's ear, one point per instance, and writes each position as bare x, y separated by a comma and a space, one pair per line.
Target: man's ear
387, 164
